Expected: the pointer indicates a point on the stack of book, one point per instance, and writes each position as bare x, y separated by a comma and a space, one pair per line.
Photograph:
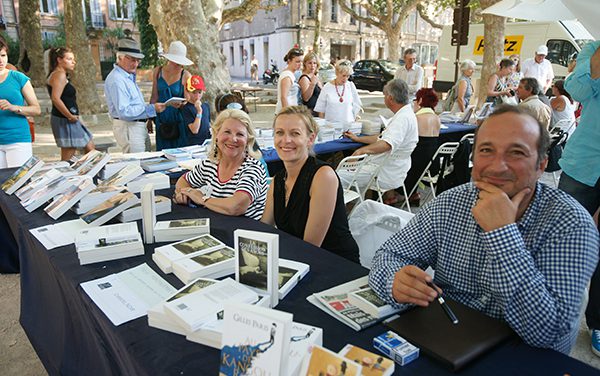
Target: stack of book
165, 256
48, 177
20, 177
116, 164
53, 189
180, 229
212, 263
157, 179
158, 164
177, 154
68, 198
110, 208
112, 242
134, 213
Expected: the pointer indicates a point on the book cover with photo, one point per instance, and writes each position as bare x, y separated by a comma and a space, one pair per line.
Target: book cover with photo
43, 195
372, 364
20, 176
367, 300
325, 362
85, 159
257, 261
255, 341
110, 208
303, 338
36, 184
162, 205
157, 179
94, 164
165, 255
64, 202
290, 273
123, 176
181, 223
213, 262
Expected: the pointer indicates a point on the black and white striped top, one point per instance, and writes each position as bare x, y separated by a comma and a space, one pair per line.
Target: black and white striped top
249, 178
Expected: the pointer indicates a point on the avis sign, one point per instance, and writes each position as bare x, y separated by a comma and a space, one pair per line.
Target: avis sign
512, 45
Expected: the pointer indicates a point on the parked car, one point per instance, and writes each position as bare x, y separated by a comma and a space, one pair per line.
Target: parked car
373, 74
326, 72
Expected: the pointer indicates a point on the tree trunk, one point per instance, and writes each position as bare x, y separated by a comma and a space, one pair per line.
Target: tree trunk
493, 41
393, 36
318, 17
31, 56
186, 21
84, 77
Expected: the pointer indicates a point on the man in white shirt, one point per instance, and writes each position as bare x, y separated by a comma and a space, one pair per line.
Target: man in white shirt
411, 72
539, 68
399, 137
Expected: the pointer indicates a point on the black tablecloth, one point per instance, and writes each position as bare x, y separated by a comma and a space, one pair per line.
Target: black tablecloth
72, 336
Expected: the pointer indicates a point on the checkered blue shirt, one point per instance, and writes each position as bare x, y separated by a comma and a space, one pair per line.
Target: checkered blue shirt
532, 273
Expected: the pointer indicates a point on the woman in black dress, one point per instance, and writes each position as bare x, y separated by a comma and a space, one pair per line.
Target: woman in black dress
310, 85
306, 198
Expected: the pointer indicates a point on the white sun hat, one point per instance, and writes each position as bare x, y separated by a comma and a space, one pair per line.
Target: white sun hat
176, 53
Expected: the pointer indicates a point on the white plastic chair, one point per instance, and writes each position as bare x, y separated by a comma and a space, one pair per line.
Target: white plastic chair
353, 165
374, 184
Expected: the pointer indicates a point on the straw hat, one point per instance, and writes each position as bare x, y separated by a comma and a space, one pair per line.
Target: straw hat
176, 53
130, 47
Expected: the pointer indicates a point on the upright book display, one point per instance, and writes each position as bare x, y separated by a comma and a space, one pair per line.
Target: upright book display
148, 213
257, 261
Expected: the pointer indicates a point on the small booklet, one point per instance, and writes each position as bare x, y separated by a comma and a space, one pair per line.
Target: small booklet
256, 341
19, 177
175, 100
372, 364
127, 295
325, 362
367, 300
59, 234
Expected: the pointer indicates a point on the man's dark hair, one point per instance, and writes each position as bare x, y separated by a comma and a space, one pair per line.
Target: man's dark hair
543, 142
409, 51
505, 63
398, 90
531, 84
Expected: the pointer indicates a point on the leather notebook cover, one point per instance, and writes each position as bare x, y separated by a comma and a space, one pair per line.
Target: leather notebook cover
455, 345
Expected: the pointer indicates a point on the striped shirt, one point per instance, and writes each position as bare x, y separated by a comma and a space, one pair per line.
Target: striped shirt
531, 273
250, 178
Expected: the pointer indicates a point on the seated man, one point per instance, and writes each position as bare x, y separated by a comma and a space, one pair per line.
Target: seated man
400, 136
528, 91
506, 245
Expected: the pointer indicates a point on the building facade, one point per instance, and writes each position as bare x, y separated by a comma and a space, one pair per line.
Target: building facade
271, 34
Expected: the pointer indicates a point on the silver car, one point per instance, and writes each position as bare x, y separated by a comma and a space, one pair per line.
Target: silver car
326, 72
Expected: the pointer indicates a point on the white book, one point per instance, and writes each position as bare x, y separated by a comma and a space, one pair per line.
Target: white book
177, 154
303, 338
59, 234
157, 317
367, 300
127, 295
157, 179
334, 301
257, 261
56, 188
199, 307
94, 165
19, 177
162, 205
148, 213
256, 340
130, 249
215, 260
62, 203
372, 364
54, 165
96, 196
123, 176
64, 171
89, 239
116, 164
180, 229
186, 248
322, 361
290, 273
38, 183
85, 159
158, 164
110, 208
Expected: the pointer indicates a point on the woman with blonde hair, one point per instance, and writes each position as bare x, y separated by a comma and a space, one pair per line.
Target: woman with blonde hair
306, 198
464, 87
339, 100
310, 85
515, 77
231, 180
287, 87
69, 132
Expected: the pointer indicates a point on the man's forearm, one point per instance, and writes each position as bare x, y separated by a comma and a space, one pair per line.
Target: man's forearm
367, 139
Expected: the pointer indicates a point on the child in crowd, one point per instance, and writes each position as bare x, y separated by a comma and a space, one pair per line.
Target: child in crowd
195, 113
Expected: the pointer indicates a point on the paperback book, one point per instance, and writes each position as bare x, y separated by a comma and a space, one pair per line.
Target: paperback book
158, 164
21, 175
110, 208
180, 229
216, 262
96, 196
367, 300
157, 179
54, 189
85, 159
64, 171
334, 301
290, 273
94, 164
257, 261
303, 338
193, 310
177, 154
148, 213
123, 176
62, 203
372, 364
325, 362
256, 341
112, 242
164, 256
36, 184
116, 164
162, 205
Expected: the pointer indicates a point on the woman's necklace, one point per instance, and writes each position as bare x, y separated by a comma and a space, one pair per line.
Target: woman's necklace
338, 93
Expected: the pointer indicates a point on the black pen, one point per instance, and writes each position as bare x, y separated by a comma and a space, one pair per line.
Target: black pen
443, 303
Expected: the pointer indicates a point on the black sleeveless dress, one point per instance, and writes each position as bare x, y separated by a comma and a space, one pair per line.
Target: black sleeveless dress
292, 219
312, 101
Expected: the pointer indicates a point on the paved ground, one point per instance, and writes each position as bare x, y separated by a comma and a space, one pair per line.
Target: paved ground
16, 354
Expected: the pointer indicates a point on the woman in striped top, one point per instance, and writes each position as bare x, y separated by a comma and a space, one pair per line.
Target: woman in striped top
231, 181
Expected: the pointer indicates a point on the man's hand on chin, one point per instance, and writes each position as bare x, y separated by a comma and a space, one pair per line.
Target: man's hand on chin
494, 209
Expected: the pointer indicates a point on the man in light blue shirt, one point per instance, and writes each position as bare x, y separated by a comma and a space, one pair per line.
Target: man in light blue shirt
125, 101
580, 161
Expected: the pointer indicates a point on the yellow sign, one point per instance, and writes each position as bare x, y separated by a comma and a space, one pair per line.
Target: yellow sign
512, 45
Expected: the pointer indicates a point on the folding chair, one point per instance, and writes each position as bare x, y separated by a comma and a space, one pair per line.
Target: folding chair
555, 153
443, 156
564, 125
353, 165
374, 184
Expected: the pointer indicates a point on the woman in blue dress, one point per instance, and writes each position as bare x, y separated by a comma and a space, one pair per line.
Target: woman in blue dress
168, 81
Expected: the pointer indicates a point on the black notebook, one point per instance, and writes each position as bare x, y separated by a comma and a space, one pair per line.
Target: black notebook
454, 345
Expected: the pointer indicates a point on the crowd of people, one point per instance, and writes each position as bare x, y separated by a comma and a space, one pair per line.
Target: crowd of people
524, 253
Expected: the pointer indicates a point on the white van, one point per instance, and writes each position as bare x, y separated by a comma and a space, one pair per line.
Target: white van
562, 38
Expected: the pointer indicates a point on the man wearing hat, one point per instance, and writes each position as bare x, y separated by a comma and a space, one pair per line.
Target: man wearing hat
125, 100
539, 68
